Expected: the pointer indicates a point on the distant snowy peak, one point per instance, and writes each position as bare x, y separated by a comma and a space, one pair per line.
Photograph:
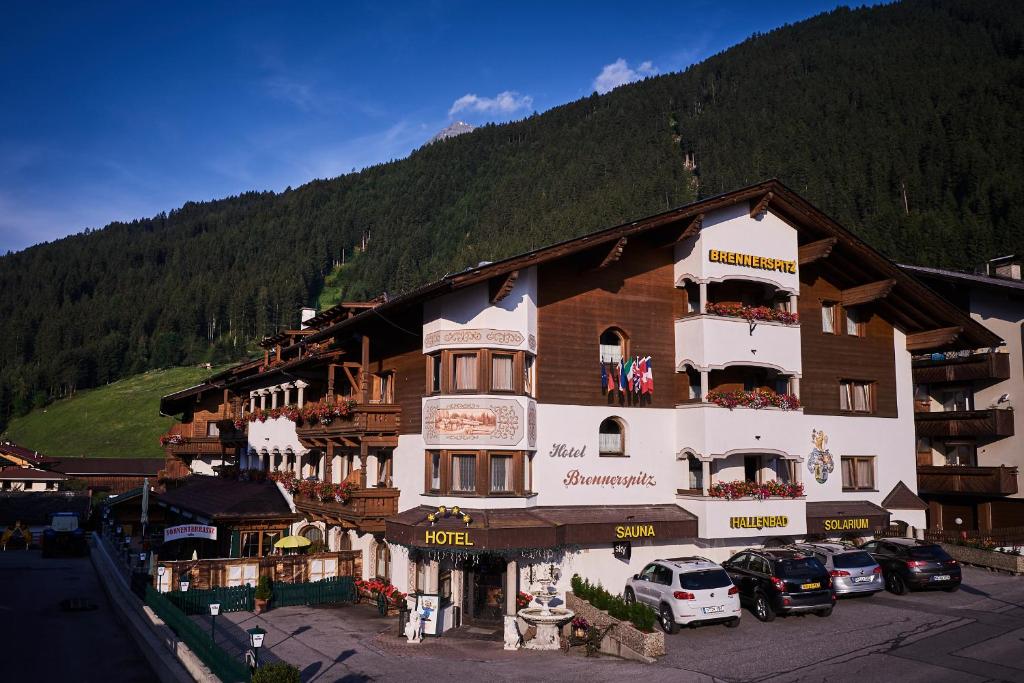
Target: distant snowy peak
457, 128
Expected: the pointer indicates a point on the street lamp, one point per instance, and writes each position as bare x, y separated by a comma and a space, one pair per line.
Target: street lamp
214, 611
256, 640
160, 571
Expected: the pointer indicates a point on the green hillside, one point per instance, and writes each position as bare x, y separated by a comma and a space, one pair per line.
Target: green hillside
120, 420
903, 121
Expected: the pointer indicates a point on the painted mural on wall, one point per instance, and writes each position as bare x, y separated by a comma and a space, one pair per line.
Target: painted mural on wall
820, 462
496, 422
531, 425
482, 337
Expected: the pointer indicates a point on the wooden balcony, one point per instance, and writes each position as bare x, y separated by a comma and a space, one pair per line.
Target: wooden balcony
991, 422
986, 481
186, 440
979, 366
365, 510
376, 422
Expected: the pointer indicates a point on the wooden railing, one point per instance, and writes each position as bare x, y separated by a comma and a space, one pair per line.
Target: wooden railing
365, 418
993, 481
979, 366
365, 508
192, 438
988, 422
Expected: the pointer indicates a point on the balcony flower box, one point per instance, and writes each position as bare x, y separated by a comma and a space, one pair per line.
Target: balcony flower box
310, 413
752, 313
733, 490
314, 489
756, 399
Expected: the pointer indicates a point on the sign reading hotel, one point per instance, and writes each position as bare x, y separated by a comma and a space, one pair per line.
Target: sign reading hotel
176, 533
441, 537
734, 258
762, 522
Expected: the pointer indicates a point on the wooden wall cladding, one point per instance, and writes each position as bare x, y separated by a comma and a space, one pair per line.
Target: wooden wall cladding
410, 378
636, 294
829, 358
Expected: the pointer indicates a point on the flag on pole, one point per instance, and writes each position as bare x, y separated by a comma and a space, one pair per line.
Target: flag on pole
648, 375
144, 517
629, 374
623, 375
613, 378
604, 376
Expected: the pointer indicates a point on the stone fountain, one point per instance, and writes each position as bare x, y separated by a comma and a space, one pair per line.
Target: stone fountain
546, 619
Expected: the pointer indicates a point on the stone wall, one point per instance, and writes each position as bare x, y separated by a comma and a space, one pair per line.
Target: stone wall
986, 558
624, 640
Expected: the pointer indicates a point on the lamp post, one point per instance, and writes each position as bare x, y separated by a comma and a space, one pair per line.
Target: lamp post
214, 611
183, 585
160, 571
256, 640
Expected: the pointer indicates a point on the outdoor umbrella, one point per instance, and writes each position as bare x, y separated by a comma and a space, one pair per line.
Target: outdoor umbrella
293, 542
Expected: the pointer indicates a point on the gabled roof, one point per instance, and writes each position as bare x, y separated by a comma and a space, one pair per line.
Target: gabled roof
902, 498
15, 473
219, 498
960, 277
24, 454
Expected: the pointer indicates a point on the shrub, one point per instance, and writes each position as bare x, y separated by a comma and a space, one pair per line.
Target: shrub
263, 590
278, 672
637, 614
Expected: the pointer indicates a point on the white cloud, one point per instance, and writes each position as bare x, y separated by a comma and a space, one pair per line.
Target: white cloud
502, 103
618, 73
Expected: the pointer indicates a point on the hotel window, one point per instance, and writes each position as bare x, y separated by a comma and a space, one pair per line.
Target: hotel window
528, 472
269, 539
752, 468
693, 390
501, 473
464, 371
854, 322
212, 429
383, 469
958, 398
828, 317
383, 561
960, 454
435, 471
250, 546
383, 388
501, 372
785, 470
695, 472
464, 473
434, 373
613, 346
856, 396
612, 437
858, 473
529, 375
444, 584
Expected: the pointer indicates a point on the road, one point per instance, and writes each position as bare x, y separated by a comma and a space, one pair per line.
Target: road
976, 634
42, 642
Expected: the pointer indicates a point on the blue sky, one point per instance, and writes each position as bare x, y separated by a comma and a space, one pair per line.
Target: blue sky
113, 111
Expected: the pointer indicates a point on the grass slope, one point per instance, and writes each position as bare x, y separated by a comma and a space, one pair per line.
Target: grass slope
119, 420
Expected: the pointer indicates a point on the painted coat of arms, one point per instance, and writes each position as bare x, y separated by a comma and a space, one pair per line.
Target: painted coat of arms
820, 462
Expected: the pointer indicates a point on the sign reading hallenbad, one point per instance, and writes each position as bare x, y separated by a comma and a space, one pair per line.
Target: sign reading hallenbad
176, 533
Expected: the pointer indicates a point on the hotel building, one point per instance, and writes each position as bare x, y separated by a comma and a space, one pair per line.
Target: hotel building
733, 372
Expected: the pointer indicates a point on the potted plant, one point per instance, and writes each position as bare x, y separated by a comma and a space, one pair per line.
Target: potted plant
580, 627
262, 595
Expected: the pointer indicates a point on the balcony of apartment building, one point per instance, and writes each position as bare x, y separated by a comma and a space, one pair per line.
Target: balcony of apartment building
961, 366
949, 466
219, 436
736, 321
949, 411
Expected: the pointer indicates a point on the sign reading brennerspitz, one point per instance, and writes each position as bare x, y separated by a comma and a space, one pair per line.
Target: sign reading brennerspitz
765, 522
176, 533
734, 258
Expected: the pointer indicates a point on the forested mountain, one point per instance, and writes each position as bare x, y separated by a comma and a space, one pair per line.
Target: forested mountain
905, 122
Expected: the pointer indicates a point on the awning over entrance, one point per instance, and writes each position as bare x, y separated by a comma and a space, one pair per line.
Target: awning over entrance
539, 527
844, 516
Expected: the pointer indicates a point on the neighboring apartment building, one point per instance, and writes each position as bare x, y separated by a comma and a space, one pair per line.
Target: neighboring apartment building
733, 372
970, 437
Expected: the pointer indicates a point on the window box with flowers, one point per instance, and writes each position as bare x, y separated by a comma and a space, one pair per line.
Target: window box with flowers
755, 398
314, 489
759, 314
734, 490
309, 414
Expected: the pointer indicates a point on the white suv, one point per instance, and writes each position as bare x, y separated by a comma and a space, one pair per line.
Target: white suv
686, 591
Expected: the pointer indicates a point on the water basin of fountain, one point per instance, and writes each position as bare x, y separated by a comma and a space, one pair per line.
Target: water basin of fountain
546, 619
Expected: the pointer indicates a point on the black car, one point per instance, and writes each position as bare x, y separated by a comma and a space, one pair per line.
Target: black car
776, 581
911, 564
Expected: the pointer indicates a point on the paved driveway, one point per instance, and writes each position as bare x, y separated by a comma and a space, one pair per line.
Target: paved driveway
43, 643
974, 635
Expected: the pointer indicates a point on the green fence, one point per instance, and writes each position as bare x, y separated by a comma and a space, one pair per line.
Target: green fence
325, 591
226, 668
235, 599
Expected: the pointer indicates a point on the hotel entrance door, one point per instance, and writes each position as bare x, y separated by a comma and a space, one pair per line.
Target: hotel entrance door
483, 594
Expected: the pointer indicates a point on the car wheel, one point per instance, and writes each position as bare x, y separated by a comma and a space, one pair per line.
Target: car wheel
668, 621
825, 612
896, 584
952, 589
629, 596
762, 609
732, 623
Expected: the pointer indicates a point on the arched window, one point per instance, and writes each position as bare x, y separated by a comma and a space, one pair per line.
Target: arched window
313, 534
383, 558
612, 437
613, 346
344, 541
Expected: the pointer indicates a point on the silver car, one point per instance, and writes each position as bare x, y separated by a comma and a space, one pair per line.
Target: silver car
854, 572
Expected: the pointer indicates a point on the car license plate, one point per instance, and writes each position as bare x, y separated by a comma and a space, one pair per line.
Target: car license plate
941, 577
714, 610
862, 579
810, 586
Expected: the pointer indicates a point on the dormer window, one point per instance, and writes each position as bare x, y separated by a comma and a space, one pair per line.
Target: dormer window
613, 346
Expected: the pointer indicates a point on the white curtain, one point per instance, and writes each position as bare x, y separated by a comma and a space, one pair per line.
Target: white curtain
501, 473
464, 473
435, 471
465, 372
501, 373
828, 318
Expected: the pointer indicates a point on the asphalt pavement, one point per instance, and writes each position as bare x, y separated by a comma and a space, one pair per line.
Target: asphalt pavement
43, 641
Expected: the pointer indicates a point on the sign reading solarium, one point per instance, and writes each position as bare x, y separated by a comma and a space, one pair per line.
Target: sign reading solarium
847, 524
765, 522
734, 258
